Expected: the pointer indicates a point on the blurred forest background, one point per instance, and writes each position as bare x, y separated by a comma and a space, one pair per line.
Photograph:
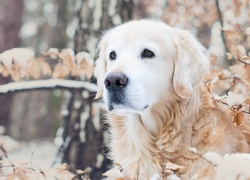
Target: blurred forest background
66, 119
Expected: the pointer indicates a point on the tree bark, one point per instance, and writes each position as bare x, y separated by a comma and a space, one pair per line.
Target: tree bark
10, 23
83, 130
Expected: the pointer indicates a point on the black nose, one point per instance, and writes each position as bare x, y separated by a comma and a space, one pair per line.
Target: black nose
116, 81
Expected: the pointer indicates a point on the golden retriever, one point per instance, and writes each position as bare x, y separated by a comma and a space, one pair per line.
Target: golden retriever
150, 77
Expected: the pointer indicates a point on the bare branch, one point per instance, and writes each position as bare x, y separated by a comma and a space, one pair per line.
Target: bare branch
46, 84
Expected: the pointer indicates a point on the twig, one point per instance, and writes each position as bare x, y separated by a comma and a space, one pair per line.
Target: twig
243, 62
6, 156
31, 158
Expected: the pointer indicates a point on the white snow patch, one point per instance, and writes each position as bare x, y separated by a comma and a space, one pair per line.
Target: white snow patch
82, 136
85, 94
77, 104
64, 112
22, 55
40, 153
96, 116
155, 177
234, 99
173, 177
193, 150
99, 160
231, 166
58, 141
48, 83
8, 143
248, 31
6, 58
29, 29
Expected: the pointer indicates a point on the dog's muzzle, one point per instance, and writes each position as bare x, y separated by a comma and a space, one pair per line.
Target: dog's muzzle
116, 83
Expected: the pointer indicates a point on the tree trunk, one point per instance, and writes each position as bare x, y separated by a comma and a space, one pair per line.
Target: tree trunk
10, 23
41, 113
83, 132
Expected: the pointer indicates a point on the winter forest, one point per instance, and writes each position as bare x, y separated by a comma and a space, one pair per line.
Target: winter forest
51, 126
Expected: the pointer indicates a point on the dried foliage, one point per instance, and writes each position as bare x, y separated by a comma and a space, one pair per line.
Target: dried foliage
21, 63
10, 170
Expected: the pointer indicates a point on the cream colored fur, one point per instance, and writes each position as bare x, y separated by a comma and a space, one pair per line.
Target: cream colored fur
180, 113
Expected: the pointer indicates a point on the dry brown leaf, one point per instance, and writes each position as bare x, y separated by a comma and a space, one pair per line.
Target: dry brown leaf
172, 166
15, 72
44, 66
231, 34
245, 3
52, 53
229, 56
208, 86
32, 69
60, 71
220, 75
16, 176
213, 60
68, 58
248, 73
237, 115
234, 51
5, 71
247, 101
245, 58
237, 5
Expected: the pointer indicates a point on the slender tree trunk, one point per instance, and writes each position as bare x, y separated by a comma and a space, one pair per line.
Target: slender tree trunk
83, 132
10, 23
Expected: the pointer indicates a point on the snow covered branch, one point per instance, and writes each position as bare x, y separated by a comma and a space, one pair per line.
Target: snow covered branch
46, 84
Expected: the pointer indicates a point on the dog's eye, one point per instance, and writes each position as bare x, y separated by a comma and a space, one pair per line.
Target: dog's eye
112, 55
147, 54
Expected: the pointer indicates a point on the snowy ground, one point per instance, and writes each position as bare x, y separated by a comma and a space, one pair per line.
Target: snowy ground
40, 153
31, 160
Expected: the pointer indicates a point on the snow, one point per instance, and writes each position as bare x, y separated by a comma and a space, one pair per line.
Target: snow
39, 153
58, 140
231, 166
173, 177
48, 83
8, 143
193, 150
99, 161
19, 56
234, 99
241, 50
155, 177
22, 55
6, 58
83, 56
29, 29
248, 31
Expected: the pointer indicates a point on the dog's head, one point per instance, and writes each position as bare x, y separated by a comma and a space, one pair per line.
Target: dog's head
142, 61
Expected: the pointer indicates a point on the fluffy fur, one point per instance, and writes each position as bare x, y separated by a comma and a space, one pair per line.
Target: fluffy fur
164, 108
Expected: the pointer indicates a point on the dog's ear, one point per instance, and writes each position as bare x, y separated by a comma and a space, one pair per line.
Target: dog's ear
191, 63
100, 68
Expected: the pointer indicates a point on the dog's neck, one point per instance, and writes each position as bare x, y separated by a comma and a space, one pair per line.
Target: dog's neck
160, 133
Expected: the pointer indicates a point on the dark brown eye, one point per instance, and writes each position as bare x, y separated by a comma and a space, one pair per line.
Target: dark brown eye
147, 54
112, 55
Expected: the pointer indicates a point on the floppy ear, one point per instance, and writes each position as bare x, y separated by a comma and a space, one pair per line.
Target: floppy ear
191, 63
100, 68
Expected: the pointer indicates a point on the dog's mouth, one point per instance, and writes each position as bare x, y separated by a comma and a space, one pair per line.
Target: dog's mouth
120, 105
